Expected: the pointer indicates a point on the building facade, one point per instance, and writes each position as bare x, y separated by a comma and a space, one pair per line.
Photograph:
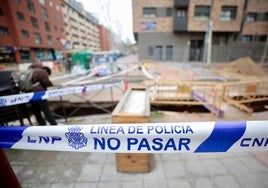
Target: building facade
81, 27
30, 31
175, 30
37, 30
105, 39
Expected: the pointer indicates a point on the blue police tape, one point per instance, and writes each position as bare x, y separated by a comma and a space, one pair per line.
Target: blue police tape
9, 100
187, 137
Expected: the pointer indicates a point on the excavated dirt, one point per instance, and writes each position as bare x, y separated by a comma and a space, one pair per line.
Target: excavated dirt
244, 66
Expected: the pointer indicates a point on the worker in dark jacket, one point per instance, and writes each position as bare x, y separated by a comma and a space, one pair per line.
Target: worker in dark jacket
41, 81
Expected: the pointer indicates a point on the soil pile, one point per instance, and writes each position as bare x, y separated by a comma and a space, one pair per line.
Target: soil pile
244, 66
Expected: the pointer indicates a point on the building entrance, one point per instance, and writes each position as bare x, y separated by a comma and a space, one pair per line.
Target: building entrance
196, 50
159, 53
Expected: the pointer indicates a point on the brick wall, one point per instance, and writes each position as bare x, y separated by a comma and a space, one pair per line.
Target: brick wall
256, 27
218, 24
163, 24
257, 6
10, 9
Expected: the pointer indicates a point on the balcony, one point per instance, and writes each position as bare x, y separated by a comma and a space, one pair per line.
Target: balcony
180, 24
181, 3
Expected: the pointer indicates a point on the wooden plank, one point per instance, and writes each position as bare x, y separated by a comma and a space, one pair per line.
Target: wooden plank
132, 162
130, 119
239, 105
178, 102
251, 89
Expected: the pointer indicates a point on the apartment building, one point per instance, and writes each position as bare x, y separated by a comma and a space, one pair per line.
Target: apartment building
81, 27
105, 38
37, 30
30, 30
175, 30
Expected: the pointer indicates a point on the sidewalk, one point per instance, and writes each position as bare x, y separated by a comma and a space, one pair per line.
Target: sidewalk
78, 170
49, 169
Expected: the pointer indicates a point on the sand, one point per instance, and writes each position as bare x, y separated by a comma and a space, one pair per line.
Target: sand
244, 66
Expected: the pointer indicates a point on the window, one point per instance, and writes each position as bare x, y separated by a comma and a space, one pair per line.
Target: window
37, 38
1, 12
265, 16
44, 12
20, 16
25, 55
30, 6
4, 30
149, 12
262, 38
40, 54
202, 12
42, 2
151, 51
220, 39
34, 22
228, 13
25, 33
159, 53
247, 38
75, 36
181, 13
50, 55
149, 26
168, 12
236, 37
251, 17
262, 16
49, 40
169, 53
47, 26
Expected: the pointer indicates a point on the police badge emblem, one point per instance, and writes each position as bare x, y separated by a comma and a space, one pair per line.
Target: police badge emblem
75, 138
3, 101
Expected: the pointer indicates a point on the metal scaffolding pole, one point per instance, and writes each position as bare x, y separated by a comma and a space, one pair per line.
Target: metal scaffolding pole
208, 38
264, 56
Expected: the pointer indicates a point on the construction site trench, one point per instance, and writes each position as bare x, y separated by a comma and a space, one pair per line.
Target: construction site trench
191, 88
82, 109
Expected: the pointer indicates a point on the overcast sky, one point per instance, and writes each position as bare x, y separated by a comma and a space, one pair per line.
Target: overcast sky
115, 14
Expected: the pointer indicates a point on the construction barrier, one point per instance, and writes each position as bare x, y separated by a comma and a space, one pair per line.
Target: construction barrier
240, 94
187, 137
9, 100
210, 94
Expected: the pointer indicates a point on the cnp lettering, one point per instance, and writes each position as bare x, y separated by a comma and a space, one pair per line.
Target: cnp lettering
43, 139
254, 142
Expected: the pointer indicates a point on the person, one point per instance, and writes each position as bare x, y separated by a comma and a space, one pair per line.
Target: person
41, 81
